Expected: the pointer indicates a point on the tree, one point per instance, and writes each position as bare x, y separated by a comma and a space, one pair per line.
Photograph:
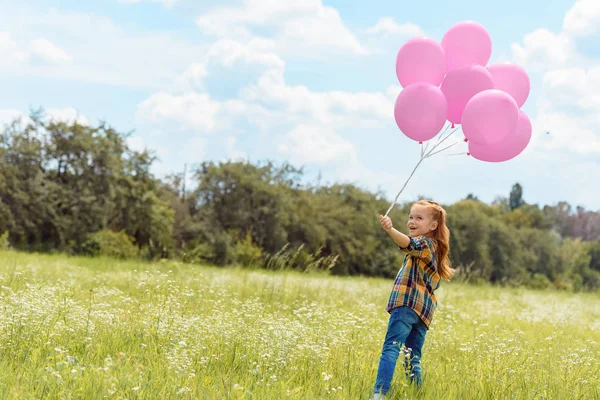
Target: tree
595, 255
471, 196
469, 237
516, 197
66, 186
506, 255
63, 180
528, 216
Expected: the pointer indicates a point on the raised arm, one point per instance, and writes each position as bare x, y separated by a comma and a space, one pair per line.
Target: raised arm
419, 246
400, 238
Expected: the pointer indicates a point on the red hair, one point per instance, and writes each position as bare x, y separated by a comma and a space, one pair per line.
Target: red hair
441, 235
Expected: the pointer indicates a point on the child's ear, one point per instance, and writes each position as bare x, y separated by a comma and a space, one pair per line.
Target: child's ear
434, 226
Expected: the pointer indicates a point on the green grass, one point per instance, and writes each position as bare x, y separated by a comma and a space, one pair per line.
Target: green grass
77, 328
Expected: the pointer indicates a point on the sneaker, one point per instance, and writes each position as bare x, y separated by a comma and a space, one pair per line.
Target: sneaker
378, 396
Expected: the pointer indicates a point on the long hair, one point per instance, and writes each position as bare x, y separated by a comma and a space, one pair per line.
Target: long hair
441, 235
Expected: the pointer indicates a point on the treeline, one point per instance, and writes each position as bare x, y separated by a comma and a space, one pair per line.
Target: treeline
80, 189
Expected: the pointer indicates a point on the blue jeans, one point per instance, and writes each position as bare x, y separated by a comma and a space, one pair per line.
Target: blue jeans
405, 327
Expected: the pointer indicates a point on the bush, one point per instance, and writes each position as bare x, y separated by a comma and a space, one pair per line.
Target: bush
110, 243
4, 243
217, 249
199, 253
591, 279
247, 253
223, 248
539, 281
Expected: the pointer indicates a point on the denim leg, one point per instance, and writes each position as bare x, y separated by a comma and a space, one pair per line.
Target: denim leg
414, 342
399, 327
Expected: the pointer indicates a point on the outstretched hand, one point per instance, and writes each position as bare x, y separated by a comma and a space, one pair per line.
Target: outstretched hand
386, 223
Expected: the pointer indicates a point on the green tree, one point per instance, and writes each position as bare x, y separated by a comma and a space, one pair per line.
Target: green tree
516, 197
470, 237
62, 181
506, 255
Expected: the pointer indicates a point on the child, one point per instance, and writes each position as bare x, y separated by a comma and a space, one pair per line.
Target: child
412, 301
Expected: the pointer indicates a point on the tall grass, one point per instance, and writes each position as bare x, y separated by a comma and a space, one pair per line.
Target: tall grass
77, 328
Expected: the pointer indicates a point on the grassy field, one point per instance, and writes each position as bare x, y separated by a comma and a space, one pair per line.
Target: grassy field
76, 328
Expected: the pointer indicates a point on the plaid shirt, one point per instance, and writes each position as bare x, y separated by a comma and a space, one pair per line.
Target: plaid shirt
417, 280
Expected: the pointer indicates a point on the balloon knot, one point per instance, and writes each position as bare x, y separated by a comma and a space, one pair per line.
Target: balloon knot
452, 125
420, 142
466, 140
468, 154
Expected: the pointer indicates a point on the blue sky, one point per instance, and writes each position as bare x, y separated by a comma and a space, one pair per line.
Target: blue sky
306, 81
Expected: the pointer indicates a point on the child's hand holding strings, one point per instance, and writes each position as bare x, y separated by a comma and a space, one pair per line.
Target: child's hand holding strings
386, 223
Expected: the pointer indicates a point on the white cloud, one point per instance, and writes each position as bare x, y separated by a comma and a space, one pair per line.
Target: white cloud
196, 111
233, 153
167, 3
105, 53
574, 86
195, 150
569, 95
543, 49
303, 125
566, 133
298, 25
316, 144
46, 51
67, 115
10, 53
39, 50
257, 51
386, 36
192, 79
266, 103
582, 19
387, 26
136, 143
9, 116
567, 109
334, 107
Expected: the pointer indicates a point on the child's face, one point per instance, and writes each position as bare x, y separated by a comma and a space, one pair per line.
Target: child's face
420, 221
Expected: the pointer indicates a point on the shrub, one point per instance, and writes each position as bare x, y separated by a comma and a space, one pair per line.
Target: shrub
110, 243
4, 243
223, 249
247, 253
539, 281
199, 253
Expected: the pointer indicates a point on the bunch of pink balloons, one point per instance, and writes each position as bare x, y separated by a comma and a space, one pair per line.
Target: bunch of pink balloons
451, 81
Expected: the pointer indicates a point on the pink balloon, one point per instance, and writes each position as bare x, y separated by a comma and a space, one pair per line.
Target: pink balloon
507, 149
489, 117
460, 85
512, 79
420, 59
466, 43
420, 111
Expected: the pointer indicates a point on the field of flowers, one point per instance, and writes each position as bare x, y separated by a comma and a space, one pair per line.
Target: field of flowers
77, 328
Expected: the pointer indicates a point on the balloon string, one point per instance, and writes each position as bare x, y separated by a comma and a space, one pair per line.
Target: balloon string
445, 148
443, 133
424, 155
404, 186
444, 139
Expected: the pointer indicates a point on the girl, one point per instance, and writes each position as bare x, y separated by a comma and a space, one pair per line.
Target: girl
412, 301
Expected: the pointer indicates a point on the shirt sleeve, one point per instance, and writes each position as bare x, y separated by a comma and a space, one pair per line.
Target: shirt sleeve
419, 246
